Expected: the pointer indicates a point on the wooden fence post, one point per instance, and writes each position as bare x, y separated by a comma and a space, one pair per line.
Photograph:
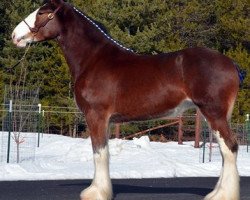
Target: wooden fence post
180, 132
117, 130
197, 128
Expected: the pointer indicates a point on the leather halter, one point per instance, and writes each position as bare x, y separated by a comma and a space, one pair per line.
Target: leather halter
50, 16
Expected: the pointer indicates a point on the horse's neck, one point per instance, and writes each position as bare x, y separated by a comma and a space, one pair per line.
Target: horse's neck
80, 43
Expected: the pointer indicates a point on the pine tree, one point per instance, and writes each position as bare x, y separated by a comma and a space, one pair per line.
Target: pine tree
233, 19
4, 22
242, 105
146, 26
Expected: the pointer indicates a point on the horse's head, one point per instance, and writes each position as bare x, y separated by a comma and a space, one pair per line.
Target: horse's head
40, 25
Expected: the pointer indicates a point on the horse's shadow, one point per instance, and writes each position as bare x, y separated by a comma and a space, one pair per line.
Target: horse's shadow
121, 189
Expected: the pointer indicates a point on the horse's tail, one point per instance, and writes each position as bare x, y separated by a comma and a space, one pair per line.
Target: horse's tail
242, 73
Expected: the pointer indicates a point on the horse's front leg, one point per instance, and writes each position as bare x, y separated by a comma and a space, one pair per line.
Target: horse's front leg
101, 188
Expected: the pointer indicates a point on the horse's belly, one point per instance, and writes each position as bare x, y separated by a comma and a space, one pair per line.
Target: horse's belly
154, 112
182, 107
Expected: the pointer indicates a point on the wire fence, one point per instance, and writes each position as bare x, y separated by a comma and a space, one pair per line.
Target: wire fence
23, 125
22, 147
210, 150
63, 120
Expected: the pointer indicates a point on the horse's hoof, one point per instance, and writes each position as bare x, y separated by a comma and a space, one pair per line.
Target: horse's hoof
94, 193
219, 195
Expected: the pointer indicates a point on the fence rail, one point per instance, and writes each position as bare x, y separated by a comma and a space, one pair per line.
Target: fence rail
35, 118
22, 125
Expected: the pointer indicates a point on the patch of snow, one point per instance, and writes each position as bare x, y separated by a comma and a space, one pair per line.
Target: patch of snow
60, 157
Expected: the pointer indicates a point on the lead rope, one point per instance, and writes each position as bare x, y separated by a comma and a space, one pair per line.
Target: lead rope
24, 55
39, 85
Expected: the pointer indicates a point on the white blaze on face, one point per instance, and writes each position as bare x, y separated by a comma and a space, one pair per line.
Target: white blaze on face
21, 34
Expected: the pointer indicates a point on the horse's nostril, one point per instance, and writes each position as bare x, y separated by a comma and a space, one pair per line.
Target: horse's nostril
13, 36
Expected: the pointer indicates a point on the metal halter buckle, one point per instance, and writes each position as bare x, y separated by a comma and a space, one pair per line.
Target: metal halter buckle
51, 16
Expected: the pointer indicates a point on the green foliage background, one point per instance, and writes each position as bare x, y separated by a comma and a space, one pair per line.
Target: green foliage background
146, 26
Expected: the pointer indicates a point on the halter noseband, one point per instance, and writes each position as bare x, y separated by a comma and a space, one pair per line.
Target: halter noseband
50, 16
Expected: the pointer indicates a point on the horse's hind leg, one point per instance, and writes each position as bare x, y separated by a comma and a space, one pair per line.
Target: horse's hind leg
227, 187
101, 188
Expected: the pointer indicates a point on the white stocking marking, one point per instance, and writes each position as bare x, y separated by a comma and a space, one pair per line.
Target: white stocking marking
101, 188
227, 187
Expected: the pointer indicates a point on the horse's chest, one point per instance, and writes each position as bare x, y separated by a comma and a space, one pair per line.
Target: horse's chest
94, 92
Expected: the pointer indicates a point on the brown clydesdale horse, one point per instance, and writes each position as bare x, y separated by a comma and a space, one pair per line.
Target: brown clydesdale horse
114, 84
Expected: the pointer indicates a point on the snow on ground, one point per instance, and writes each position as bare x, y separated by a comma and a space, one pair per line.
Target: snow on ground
60, 157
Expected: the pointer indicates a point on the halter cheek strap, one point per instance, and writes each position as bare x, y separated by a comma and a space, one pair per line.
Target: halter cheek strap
50, 16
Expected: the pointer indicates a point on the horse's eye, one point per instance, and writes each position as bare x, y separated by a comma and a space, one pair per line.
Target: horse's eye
40, 13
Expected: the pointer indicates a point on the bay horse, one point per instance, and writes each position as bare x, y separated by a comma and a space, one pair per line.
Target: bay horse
114, 84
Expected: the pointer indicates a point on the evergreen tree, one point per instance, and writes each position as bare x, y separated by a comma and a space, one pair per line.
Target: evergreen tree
146, 26
233, 18
4, 22
242, 105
